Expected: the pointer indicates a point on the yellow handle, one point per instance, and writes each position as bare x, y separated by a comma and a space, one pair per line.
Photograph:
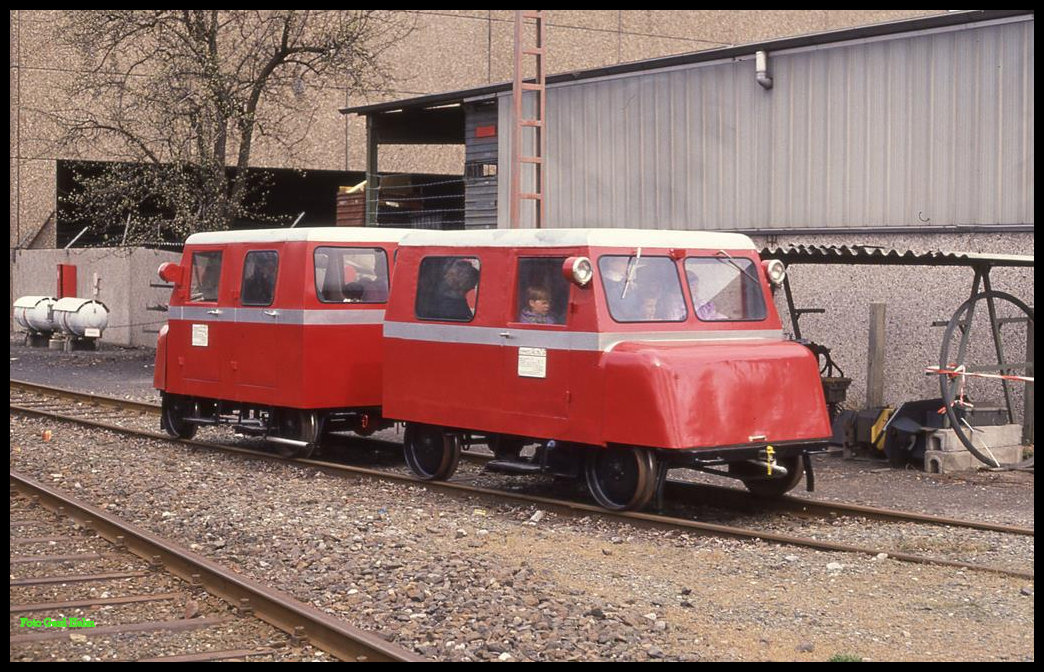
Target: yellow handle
771, 452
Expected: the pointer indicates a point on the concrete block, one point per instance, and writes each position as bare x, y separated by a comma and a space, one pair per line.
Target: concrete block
999, 436
939, 462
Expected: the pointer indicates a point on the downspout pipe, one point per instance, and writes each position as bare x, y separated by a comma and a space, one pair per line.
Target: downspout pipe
761, 69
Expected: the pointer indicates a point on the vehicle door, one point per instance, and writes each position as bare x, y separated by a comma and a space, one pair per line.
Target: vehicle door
201, 335
537, 359
260, 326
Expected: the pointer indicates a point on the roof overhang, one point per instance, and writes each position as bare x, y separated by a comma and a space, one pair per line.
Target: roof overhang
441, 125
868, 254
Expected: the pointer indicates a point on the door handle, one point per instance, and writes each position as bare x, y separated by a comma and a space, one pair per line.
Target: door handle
216, 311
271, 313
506, 334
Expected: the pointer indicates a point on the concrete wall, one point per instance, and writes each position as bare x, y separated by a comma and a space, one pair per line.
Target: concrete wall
123, 274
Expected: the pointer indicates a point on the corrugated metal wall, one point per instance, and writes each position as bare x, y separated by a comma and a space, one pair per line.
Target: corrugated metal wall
925, 129
480, 167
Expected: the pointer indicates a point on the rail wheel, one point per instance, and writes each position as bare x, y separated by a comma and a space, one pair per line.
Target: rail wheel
174, 411
754, 477
299, 425
967, 374
621, 479
431, 452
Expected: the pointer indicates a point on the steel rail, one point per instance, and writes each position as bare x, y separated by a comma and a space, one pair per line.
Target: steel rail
689, 491
719, 496
92, 399
566, 507
272, 606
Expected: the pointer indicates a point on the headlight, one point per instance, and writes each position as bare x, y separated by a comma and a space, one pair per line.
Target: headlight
776, 271
578, 270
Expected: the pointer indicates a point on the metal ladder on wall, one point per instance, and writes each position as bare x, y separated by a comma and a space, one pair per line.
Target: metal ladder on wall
519, 158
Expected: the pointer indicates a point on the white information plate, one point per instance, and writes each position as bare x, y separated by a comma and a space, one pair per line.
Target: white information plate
199, 335
91, 332
532, 362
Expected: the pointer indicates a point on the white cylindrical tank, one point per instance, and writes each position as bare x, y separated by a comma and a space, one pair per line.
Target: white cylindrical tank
81, 317
34, 313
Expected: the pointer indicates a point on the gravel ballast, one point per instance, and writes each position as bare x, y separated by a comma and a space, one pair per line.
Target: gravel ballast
467, 579
455, 579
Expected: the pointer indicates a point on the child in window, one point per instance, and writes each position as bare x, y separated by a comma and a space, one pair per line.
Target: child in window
538, 307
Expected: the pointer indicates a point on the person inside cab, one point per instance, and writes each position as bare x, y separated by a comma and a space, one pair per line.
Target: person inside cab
538, 307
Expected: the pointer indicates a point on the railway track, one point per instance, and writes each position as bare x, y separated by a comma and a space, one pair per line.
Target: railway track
460, 485
100, 407
565, 507
127, 594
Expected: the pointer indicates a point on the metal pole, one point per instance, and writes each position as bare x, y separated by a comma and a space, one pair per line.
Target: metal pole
76, 238
1027, 397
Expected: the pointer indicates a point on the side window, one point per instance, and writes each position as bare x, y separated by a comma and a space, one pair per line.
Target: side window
724, 289
206, 273
351, 274
542, 292
642, 289
447, 288
260, 269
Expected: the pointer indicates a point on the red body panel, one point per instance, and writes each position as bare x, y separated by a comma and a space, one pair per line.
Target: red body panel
159, 371
298, 352
714, 384
684, 395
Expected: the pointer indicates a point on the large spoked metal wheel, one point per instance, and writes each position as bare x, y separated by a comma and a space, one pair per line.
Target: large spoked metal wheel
755, 478
431, 452
174, 410
621, 479
297, 425
973, 372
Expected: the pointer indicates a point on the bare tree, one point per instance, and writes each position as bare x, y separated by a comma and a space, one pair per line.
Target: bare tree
178, 98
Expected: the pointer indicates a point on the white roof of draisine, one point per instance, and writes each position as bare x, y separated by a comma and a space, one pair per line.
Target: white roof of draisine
332, 234
580, 238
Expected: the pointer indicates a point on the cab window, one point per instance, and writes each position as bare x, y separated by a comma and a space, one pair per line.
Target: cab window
724, 289
259, 278
642, 289
447, 288
351, 274
542, 291
205, 275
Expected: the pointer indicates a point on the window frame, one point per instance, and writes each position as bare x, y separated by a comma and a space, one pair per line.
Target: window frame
192, 276
747, 286
610, 302
243, 279
430, 290
319, 295
519, 301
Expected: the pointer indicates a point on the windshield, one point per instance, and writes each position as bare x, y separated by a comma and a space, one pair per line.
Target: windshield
724, 288
642, 288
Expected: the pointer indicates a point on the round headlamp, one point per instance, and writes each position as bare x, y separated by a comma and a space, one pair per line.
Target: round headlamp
776, 271
578, 270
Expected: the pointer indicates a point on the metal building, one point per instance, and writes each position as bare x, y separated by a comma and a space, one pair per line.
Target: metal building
902, 126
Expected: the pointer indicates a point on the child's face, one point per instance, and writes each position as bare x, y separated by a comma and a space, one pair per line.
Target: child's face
540, 306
